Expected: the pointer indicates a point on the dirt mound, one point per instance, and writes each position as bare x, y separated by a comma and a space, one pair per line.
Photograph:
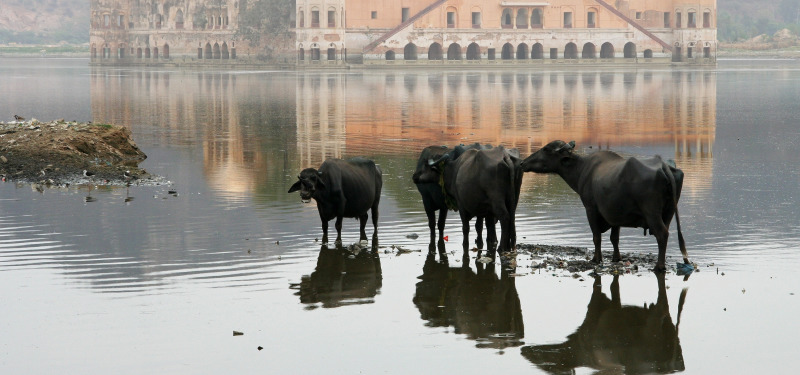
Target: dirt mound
61, 153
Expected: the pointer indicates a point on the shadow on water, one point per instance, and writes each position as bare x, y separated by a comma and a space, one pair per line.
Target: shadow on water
476, 303
613, 337
341, 278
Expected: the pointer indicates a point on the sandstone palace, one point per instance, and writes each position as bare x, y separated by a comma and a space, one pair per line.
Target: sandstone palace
408, 32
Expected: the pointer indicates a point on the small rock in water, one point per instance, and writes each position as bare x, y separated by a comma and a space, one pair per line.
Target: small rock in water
412, 236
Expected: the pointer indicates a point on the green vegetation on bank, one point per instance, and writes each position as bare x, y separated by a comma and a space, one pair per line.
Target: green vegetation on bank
744, 19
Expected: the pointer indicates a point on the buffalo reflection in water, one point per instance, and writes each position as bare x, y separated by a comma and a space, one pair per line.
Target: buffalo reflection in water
341, 278
478, 304
613, 337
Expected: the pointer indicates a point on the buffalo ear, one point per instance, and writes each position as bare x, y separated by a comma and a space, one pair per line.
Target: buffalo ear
295, 187
571, 145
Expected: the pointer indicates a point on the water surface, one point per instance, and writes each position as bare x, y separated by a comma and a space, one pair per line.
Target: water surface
131, 280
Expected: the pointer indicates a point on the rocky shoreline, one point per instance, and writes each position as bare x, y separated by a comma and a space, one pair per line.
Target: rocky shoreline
60, 153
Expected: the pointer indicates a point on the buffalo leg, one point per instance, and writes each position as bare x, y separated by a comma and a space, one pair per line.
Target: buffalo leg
615, 242
479, 232
432, 225
598, 255
465, 231
442, 219
491, 235
324, 231
362, 223
661, 232
374, 221
338, 230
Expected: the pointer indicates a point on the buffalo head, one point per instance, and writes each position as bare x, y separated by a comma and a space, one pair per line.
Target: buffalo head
549, 158
309, 181
429, 165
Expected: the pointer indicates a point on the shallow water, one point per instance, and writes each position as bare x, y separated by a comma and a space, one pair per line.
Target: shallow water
99, 280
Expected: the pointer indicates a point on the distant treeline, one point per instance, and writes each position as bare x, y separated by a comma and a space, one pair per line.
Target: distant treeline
744, 19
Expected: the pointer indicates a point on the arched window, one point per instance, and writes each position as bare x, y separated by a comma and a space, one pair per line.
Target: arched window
473, 51
571, 51
452, 18
225, 54
121, 51
331, 17
139, 53
648, 54
209, 55
301, 54
147, 53
607, 51
314, 17
589, 51
505, 19
389, 55
155, 53
454, 52
508, 52
630, 50
179, 20
537, 51
301, 18
591, 18
522, 18
410, 52
435, 51
522, 51
707, 18
536, 18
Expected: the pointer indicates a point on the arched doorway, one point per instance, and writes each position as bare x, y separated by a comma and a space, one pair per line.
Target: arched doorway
225, 53
166, 51
473, 51
410, 52
630, 50
571, 51
208, 51
332, 52
389, 55
607, 51
139, 53
217, 53
301, 54
454, 52
522, 51
648, 54
508, 52
537, 52
435, 52
147, 53
155, 53
589, 51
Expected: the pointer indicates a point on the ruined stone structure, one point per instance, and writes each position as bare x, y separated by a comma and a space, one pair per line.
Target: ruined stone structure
409, 32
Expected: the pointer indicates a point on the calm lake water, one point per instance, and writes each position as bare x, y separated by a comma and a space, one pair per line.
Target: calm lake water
137, 280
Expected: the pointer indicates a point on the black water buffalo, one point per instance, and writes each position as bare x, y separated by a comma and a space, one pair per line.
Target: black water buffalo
433, 199
615, 338
343, 188
480, 183
617, 192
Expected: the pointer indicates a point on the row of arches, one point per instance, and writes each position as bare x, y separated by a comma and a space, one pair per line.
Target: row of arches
216, 51
521, 51
121, 52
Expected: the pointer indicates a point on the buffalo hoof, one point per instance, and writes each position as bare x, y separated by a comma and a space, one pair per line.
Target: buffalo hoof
597, 260
660, 268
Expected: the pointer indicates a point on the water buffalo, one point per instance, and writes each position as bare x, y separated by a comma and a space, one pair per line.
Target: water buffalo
480, 183
615, 338
343, 188
617, 192
433, 199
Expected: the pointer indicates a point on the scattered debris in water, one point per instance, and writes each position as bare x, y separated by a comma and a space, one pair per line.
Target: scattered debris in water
412, 236
237, 333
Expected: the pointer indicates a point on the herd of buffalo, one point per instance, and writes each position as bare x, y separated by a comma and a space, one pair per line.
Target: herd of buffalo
483, 182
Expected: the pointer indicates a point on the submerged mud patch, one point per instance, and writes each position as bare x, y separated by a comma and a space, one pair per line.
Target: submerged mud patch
68, 152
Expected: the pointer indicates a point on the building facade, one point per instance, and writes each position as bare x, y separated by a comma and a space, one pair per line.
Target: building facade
409, 32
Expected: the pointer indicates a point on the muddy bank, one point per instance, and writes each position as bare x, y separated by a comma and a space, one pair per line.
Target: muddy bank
67, 152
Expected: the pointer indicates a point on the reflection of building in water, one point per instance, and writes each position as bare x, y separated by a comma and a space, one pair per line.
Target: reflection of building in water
612, 108
478, 304
617, 338
241, 143
321, 123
